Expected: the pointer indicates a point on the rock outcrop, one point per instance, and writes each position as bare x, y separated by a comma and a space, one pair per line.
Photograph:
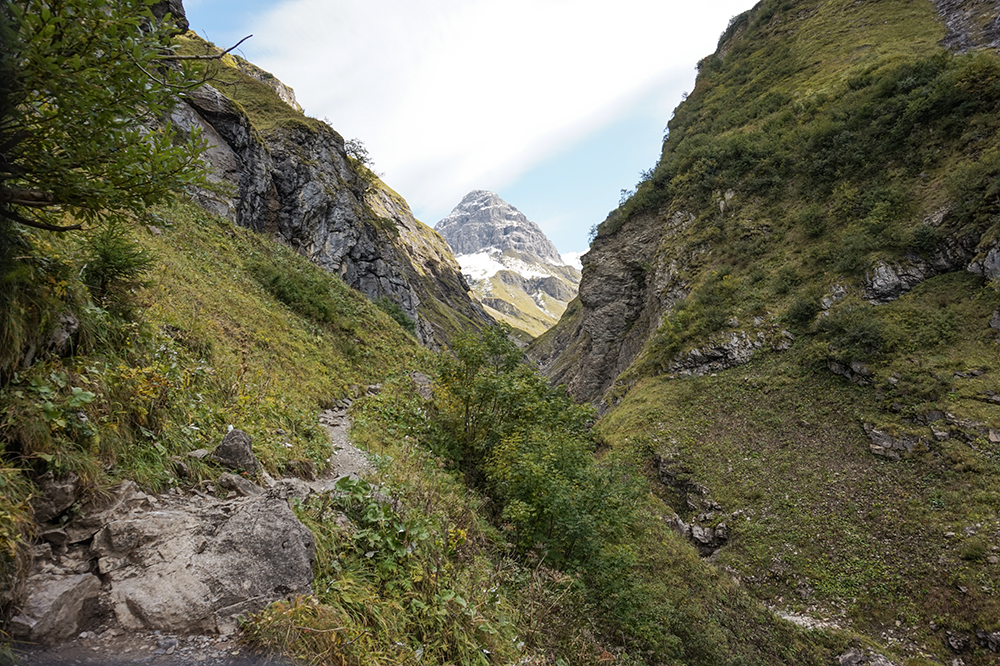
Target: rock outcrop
971, 24
888, 281
294, 181
628, 284
173, 562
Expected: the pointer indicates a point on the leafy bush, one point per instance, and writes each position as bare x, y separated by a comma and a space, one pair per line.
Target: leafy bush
304, 289
802, 312
72, 147
854, 333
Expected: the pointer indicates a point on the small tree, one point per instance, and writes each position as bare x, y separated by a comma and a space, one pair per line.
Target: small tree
85, 88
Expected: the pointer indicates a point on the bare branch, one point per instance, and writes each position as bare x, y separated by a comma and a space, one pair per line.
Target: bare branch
204, 57
172, 86
22, 197
11, 215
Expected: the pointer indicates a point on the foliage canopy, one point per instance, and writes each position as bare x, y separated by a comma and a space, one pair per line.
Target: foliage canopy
83, 103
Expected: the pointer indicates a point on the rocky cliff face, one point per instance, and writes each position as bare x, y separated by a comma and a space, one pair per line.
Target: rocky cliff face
649, 259
618, 307
971, 24
294, 181
514, 269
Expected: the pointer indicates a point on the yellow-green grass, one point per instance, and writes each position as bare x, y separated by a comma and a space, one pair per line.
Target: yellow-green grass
822, 525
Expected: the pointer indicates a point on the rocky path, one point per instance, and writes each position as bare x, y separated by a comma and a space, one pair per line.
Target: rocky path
103, 641
112, 647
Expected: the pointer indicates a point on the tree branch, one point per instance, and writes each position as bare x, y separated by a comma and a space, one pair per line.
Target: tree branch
20, 219
22, 197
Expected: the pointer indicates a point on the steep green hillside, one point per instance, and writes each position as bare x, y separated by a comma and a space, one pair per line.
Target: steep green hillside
226, 327
223, 327
491, 533
797, 311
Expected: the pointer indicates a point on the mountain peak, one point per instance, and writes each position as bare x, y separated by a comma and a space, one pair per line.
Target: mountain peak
484, 221
514, 269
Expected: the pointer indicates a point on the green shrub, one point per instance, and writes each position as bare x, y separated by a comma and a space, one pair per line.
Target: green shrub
386, 305
855, 332
114, 263
802, 312
973, 549
304, 289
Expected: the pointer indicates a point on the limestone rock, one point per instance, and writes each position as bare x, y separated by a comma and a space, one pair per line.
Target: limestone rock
235, 452
296, 183
60, 341
970, 25
242, 487
855, 371
422, 385
174, 562
887, 282
55, 607
958, 641
729, 349
290, 488
631, 279
989, 640
885, 445
856, 657
176, 10
56, 496
187, 568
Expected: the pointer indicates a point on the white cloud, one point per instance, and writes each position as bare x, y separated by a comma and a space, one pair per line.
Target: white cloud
450, 95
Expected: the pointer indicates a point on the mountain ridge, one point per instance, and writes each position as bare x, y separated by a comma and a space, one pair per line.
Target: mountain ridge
797, 312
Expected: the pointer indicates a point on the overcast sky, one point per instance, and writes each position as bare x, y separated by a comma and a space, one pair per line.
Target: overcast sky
556, 105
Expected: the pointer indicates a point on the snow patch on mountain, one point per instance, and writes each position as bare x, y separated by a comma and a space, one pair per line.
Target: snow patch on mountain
487, 263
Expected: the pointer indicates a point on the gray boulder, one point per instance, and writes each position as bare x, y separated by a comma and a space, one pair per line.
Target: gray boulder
182, 563
235, 453
56, 495
242, 487
55, 607
198, 567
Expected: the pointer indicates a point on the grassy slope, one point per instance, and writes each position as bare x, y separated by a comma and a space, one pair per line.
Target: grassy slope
528, 317
839, 129
221, 335
203, 344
